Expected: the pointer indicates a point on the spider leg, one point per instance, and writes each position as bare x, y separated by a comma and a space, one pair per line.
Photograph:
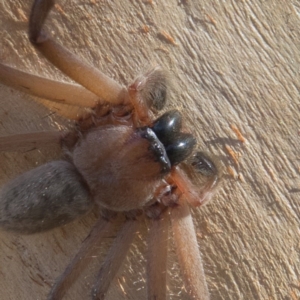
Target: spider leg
65, 99
157, 258
81, 260
81, 72
187, 251
114, 258
66, 111
29, 140
56, 91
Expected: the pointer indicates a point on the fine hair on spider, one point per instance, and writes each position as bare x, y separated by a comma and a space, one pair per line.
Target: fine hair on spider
119, 159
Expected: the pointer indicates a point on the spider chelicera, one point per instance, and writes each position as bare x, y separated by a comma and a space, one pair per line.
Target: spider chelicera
117, 159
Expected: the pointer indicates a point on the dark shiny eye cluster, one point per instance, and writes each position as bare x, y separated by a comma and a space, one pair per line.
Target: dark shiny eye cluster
178, 145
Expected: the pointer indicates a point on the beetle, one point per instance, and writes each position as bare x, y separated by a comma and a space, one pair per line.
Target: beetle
119, 158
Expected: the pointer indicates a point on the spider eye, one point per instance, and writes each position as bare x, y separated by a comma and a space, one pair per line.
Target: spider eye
181, 148
204, 165
168, 126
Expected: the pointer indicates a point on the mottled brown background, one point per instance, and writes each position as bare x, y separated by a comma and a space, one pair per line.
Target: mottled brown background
232, 62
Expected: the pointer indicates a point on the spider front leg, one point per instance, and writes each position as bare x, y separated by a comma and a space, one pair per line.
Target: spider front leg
60, 92
157, 253
188, 252
201, 169
83, 73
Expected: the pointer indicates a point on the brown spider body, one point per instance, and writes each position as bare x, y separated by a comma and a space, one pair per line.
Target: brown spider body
117, 160
115, 178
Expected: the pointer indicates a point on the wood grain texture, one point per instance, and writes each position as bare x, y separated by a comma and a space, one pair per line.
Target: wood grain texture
231, 62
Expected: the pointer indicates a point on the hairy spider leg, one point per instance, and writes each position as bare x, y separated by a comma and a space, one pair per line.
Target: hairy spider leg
114, 258
188, 254
157, 257
78, 70
81, 260
60, 92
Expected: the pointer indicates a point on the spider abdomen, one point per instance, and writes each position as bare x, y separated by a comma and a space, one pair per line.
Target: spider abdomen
44, 198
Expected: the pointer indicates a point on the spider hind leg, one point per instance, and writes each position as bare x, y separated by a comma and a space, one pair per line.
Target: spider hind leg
83, 257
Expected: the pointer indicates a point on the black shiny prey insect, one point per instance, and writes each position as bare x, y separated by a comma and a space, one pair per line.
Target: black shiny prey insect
118, 159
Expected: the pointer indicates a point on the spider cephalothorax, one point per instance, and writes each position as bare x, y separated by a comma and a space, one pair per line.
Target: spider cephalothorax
118, 159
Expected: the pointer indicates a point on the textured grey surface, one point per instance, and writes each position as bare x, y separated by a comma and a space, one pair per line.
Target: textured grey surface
231, 62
